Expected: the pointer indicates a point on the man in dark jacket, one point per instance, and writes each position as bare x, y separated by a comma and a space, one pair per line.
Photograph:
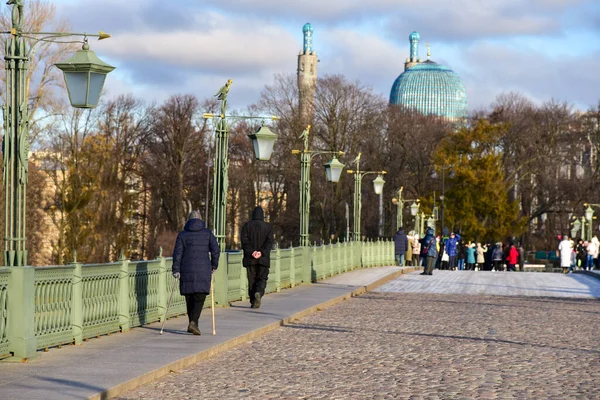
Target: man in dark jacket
193, 266
257, 242
400, 245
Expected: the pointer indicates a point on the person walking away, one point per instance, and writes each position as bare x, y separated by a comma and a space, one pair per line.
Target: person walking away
592, 253
409, 249
429, 249
470, 251
416, 250
564, 247
443, 256
462, 254
498, 257
581, 254
400, 246
513, 258
521, 251
480, 250
195, 258
451, 247
257, 243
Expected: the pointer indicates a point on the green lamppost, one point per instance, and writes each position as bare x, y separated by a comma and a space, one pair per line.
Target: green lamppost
434, 175
576, 226
333, 170
377, 186
589, 216
262, 141
422, 224
414, 209
84, 76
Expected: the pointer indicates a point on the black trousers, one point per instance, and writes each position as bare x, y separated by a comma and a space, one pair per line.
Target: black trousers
195, 303
257, 280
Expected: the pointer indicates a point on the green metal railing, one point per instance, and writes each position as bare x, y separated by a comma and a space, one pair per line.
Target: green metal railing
51, 306
53, 301
100, 297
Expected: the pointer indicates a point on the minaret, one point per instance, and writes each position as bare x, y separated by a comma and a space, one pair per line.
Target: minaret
413, 38
307, 76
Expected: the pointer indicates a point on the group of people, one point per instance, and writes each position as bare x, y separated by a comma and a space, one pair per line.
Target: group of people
582, 254
196, 258
453, 253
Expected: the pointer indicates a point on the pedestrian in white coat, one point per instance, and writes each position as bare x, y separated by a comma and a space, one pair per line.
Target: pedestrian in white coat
565, 248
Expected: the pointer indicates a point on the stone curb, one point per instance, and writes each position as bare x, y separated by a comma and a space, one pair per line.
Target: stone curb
229, 344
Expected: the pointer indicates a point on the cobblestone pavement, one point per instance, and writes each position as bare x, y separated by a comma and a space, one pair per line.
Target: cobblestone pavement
410, 346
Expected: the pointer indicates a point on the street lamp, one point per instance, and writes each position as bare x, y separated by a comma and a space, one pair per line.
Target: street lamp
378, 188
576, 227
414, 209
333, 170
84, 76
589, 215
358, 175
434, 175
262, 141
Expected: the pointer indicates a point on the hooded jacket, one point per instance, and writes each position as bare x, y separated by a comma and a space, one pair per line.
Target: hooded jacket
257, 235
191, 258
400, 242
428, 245
451, 245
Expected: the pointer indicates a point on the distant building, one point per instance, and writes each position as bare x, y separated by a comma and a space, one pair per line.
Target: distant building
307, 76
429, 87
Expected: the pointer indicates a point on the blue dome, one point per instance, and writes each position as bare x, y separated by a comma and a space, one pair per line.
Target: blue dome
307, 28
414, 36
431, 88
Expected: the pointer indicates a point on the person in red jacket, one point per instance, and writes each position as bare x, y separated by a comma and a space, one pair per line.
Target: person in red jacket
513, 258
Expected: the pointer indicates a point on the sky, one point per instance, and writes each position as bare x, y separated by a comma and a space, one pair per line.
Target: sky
544, 49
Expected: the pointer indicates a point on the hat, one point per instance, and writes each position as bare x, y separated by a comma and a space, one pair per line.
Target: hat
195, 215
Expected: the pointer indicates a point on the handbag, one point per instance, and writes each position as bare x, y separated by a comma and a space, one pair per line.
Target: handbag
445, 256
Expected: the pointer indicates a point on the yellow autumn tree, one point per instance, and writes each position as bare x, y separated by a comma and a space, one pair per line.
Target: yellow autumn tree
477, 201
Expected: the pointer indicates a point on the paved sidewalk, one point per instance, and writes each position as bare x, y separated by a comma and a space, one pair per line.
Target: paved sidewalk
105, 367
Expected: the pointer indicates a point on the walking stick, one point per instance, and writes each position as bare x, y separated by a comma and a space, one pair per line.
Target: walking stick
212, 301
168, 305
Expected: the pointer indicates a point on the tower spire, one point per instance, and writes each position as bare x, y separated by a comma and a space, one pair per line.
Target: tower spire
307, 76
414, 46
307, 29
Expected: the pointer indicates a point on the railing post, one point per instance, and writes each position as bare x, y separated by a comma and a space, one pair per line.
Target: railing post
315, 264
278, 270
244, 279
77, 302
331, 259
163, 291
21, 309
339, 256
309, 260
345, 256
292, 268
222, 281
124, 315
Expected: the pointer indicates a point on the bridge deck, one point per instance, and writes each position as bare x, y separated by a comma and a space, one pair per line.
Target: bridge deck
433, 341
498, 284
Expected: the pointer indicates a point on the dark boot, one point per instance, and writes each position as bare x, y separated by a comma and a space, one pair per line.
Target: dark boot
193, 328
256, 300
